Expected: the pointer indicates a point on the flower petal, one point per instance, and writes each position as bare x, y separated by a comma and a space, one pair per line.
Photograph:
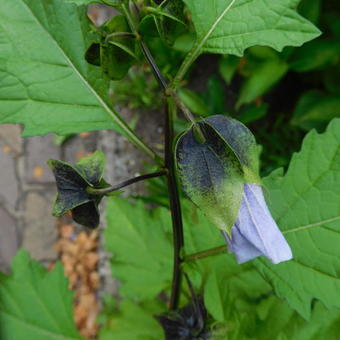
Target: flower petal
243, 249
255, 232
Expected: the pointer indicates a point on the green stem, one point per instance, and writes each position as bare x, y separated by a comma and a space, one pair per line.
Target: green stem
189, 59
104, 191
197, 48
175, 205
167, 90
119, 35
206, 253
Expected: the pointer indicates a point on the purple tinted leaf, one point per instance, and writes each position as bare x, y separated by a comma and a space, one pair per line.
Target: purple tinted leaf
86, 214
187, 323
240, 139
72, 182
211, 175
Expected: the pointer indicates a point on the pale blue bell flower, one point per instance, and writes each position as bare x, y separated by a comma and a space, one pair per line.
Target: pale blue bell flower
255, 233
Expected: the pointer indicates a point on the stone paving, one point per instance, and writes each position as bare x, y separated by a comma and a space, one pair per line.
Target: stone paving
27, 185
27, 188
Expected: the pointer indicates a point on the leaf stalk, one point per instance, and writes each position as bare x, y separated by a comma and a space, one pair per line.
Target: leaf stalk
105, 191
206, 253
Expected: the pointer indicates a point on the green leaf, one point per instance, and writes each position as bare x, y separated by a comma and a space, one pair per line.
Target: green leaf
141, 246
116, 53
231, 287
45, 82
315, 109
251, 113
215, 95
236, 296
133, 321
262, 78
230, 26
35, 304
227, 67
315, 55
194, 102
324, 324
305, 204
263, 323
92, 167
137, 266
167, 20
185, 42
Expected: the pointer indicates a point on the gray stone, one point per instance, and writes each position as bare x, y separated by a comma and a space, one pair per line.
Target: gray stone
38, 151
8, 179
79, 146
10, 138
8, 239
99, 14
40, 232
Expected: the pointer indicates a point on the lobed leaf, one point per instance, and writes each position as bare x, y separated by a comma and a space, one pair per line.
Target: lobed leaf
45, 82
305, 204
230, 26
133, 321
141, 246
35, 304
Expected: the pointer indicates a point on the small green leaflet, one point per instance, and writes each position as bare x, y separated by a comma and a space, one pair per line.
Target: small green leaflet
305, 203
35, 304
